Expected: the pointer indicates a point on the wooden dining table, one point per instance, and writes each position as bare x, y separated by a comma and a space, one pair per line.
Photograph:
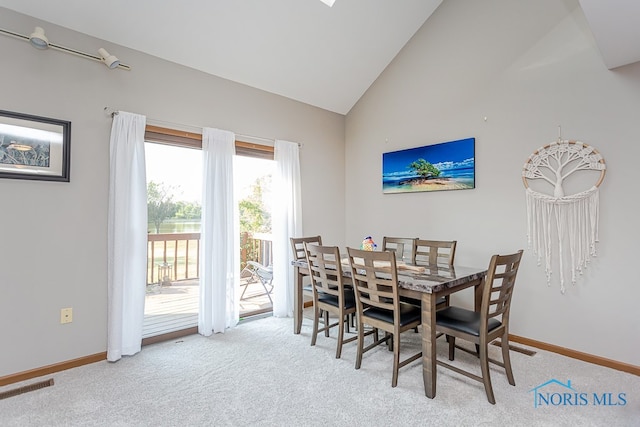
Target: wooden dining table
424, 283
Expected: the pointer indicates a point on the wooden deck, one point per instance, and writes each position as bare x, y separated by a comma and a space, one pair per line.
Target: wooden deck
172, 308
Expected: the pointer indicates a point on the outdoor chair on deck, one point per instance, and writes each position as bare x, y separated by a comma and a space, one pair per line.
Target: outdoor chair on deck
491, 322
259, 273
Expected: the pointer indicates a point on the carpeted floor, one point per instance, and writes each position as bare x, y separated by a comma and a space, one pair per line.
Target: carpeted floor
260, 374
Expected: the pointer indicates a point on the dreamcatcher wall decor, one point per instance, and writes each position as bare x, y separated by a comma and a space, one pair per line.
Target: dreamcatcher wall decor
574, 216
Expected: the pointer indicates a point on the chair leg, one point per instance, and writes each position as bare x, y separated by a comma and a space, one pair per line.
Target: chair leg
506, 359
326, 323
316, 320
360, 345
246, 285
452, 346
486, 376
266, 291
396, 360
340, 336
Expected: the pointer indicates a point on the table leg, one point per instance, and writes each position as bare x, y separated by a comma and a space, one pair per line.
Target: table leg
478, 295
297, 301
429, 344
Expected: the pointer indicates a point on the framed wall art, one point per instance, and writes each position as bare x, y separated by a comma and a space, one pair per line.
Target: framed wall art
438, 167
33, 147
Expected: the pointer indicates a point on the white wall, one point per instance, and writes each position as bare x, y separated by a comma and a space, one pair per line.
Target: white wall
54, 235
527, 66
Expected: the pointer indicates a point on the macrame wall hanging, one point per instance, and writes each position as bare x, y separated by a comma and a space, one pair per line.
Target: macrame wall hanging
574, 216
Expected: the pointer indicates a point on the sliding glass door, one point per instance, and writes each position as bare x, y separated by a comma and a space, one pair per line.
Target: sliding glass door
253, 188
174, 186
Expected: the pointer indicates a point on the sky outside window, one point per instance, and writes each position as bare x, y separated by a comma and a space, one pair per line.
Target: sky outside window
182, 168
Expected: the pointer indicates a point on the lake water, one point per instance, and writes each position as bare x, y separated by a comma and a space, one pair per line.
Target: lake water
176, 226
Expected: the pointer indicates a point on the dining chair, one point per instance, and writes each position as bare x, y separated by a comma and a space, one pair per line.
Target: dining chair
375, 283
491, 322
330, 293
297, 246
430, 252
402, 247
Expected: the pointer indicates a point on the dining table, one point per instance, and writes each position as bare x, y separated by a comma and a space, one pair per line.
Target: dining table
425, 283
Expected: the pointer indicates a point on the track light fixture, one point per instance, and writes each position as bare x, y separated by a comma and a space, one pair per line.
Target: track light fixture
38, 40
110, 60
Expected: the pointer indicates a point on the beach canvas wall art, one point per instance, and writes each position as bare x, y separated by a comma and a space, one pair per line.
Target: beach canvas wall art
438, 167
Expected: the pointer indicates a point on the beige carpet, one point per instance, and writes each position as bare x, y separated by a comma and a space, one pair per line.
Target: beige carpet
260, 374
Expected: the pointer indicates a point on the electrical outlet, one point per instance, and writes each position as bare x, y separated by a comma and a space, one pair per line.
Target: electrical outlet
66, 315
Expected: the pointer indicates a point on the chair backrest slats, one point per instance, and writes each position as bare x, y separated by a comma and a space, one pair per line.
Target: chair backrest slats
326, 271
375, 279
297, 245
498, 287
402, 247
430, 252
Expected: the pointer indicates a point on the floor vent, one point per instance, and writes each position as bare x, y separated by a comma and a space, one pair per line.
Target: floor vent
26, 388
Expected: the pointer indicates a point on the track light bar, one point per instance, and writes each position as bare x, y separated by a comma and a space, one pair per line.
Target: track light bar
38, 40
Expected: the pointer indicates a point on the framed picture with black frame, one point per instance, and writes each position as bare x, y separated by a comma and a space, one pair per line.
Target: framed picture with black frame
34, 147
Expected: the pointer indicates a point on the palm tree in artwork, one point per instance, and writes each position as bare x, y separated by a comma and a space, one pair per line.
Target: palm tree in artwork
425, 169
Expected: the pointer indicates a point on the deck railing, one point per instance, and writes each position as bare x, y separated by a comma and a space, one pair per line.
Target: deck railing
178, 254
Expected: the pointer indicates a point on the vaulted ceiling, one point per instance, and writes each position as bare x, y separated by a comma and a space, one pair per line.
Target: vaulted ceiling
615, 25
302, 49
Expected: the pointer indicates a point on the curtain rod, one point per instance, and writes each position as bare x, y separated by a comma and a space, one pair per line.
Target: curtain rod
113, 112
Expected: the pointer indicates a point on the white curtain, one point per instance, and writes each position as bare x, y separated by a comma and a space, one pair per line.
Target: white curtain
127, 236
219, 236
287, 223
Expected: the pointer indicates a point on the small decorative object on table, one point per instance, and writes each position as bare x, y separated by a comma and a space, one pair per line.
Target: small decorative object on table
368, 244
